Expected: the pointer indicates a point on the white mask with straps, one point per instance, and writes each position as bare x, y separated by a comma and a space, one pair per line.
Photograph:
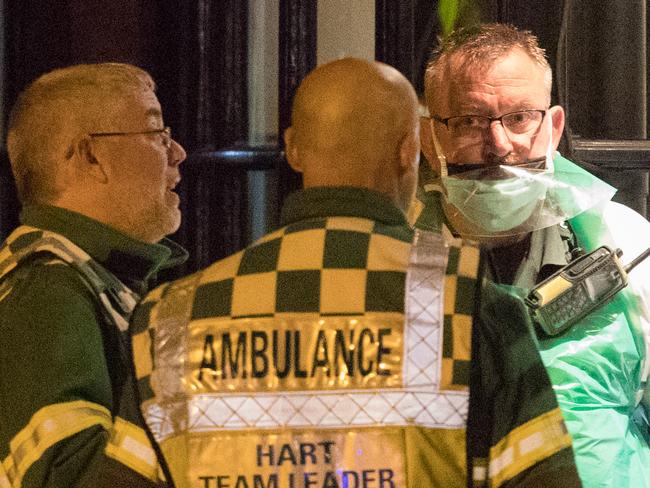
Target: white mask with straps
504, 200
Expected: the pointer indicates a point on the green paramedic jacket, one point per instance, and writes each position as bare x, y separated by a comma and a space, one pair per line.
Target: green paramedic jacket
68, 407
325, 355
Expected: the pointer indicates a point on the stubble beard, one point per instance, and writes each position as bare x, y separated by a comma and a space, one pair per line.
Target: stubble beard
153, 222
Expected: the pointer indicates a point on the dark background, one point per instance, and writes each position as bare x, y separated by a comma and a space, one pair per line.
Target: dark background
196, 51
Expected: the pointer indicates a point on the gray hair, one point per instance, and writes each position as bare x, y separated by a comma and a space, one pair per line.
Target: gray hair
56, 108
479, 46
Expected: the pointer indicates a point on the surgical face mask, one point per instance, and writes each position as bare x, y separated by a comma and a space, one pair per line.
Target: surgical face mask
496, 205
506, 200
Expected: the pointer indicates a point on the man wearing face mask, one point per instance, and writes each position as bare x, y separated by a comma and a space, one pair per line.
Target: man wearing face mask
491, 142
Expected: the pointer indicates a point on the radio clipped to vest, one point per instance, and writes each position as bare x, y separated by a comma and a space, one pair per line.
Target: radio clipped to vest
578, 288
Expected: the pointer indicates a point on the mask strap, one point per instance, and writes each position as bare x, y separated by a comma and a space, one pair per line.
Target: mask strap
442, 159
550, 151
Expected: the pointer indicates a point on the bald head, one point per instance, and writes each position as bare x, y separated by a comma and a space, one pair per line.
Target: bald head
355, 123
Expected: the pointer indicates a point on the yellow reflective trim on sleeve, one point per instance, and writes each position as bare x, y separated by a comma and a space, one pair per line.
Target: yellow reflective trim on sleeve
527, 445
48, 426
5, 289
130, 446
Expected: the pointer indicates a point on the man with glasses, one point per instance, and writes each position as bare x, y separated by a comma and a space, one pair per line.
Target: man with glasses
95, 170
491, 142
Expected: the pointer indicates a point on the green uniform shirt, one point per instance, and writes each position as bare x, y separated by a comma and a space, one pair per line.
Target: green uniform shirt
544, 252
61, 363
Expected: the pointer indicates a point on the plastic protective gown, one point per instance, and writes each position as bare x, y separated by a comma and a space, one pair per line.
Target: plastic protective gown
599, 367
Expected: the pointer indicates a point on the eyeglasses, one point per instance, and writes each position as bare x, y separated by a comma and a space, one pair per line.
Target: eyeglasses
165, 132
520, 122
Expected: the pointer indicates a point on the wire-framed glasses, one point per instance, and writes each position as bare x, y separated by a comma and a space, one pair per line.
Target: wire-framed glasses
519, 122
165, 132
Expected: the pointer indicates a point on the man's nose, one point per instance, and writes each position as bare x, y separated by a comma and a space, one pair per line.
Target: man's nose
177, 153
497, 142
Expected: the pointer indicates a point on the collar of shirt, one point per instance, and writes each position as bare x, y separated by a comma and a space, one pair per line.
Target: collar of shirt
546, 254
426, 211
320, 202
132, 261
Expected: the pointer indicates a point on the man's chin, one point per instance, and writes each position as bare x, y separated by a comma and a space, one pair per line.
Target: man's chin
164, 224
174, 222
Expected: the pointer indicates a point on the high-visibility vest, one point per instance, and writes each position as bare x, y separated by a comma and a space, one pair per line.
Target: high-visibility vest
298, 400
129, 443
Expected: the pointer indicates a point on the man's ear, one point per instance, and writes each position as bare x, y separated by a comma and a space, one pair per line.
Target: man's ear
409, 152
428, 148
557, 120
291, 150
89, 162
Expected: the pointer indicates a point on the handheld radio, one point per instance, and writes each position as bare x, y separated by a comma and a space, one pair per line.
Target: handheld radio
578, 288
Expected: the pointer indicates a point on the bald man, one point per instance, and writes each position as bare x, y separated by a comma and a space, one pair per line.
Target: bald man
312, 358
340, 136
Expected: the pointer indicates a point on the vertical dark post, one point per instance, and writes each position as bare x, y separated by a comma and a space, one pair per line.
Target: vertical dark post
297, 54
607, 69
543, 18
607, 75
395, 36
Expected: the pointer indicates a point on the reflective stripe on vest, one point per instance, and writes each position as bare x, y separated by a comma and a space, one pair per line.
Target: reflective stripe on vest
76, 257
428, 396
47, 427
128, 443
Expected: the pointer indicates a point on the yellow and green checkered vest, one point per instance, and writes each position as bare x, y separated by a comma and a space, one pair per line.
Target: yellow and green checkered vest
333, 352
129, 443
